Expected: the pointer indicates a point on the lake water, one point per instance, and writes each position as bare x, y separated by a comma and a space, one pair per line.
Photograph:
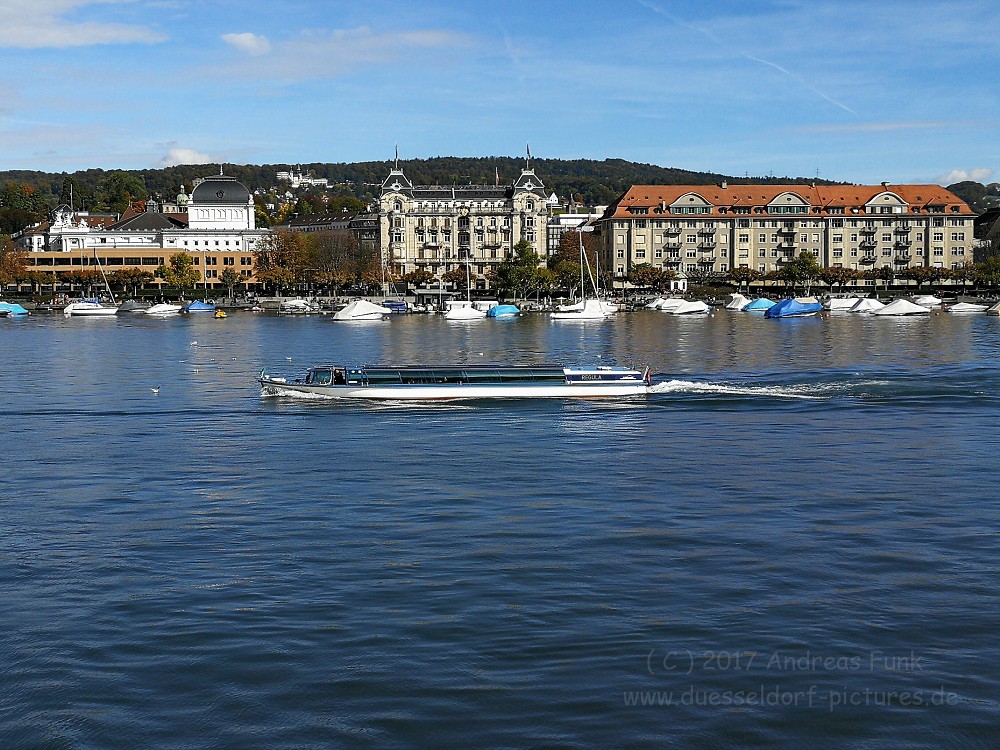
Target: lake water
792, 543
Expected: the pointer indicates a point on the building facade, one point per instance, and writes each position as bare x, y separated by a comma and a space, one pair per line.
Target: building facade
716, 228
437, 228
215, 224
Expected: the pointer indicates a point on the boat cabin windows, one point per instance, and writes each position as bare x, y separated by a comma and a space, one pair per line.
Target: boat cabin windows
319, 377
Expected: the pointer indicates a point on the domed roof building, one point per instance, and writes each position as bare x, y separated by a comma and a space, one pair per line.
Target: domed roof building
220, 202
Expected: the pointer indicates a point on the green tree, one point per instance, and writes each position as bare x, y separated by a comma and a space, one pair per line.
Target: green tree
920, 274
988, 272
85, 279
229, 278
518, 275
179, 271
743, 276
117, 191
802, 270
835, 275
644, 276
130, 278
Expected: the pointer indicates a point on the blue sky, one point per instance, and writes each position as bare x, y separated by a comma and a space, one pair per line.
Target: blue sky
901, 91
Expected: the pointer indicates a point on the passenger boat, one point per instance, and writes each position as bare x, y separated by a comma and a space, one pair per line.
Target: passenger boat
448, 382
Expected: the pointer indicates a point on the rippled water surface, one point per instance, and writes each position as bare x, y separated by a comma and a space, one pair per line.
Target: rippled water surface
793, 542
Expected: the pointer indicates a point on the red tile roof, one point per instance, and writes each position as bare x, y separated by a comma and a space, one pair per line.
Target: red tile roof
759, 196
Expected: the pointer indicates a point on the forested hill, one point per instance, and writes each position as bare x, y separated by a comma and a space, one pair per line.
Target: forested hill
597, 182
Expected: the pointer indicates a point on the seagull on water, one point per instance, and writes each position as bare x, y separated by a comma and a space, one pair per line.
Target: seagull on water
155, 390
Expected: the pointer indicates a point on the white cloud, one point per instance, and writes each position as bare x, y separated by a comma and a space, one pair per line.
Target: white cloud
975, 174
249, 43
322, 54
33, 24
176, 156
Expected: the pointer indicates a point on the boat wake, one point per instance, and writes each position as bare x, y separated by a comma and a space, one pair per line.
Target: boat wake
805, 391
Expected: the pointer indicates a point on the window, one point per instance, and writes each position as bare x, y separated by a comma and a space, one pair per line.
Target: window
744, 238
229, 261
691, 238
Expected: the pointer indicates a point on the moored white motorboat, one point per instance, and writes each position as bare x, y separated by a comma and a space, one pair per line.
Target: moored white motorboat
297, 307
901, 307
88, 308
841, 304
736, 301
463, 310
163, 309
362, 309
690, 307
927, 300
450, 382
966, 308
671, 303
867, 305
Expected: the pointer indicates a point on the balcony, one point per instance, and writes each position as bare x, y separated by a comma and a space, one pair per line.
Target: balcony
871, 242
707, 229
673, 230
902, 258
707, 244
672, 245
787, 245
904, 242
868, 230
902, 229
706, 261
786, 230
868, 258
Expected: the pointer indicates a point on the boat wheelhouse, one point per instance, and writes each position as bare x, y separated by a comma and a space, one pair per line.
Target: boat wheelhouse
445, 382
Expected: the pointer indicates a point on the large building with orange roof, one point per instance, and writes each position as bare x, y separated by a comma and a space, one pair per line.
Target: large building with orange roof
692, 228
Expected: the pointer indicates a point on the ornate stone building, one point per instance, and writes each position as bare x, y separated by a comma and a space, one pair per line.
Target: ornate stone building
437, 227
720, 227
215, 224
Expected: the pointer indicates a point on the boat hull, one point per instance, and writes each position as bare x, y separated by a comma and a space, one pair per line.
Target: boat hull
450, 392
454, 382
88, 310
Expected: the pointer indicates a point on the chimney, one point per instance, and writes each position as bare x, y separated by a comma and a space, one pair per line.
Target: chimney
725, 185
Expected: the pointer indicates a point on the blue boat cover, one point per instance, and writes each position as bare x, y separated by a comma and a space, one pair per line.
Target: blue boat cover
761, 303
13, 308
791, 307
199, 307
498, 311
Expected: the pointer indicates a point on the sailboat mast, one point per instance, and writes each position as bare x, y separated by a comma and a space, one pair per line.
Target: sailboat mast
584, 261
104, 276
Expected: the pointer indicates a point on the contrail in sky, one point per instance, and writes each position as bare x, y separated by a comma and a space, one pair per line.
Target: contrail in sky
719, 42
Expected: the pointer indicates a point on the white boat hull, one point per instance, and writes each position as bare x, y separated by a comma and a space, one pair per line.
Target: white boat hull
163, 309
465, 313
88, 309
455, 392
